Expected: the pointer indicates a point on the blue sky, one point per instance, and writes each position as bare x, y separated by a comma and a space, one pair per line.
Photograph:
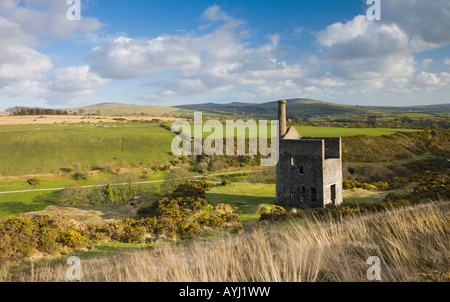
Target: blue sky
181, 52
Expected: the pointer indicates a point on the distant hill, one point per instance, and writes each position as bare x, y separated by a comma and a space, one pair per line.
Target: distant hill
129, 110
305, 108
308, 108
432, 109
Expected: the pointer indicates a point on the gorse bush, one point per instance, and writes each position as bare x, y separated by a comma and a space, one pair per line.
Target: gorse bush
23, 237
226, 182
72, 239
34, 181
211, 220
434, 186
175, 216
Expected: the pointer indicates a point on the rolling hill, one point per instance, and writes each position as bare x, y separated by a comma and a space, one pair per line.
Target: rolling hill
307, 108
129, 110
304, 108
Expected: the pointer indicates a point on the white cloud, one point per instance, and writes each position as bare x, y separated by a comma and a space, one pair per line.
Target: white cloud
447, 61
378, 57
18, 61
132, 58
25, 70
46, 20
215, 13
384, 68
71, 84
211, 62
361, 38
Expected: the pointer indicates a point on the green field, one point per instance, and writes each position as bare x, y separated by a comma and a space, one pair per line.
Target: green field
306, 131
247, 198
343, 132
38, 149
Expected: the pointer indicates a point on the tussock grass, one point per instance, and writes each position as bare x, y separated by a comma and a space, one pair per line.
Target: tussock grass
412, 243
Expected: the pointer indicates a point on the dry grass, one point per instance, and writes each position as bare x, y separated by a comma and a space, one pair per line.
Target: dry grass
73, 119
409, 241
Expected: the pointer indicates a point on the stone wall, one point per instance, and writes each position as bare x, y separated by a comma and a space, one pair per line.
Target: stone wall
305, 178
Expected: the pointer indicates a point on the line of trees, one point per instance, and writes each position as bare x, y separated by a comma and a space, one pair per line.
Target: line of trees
36, 111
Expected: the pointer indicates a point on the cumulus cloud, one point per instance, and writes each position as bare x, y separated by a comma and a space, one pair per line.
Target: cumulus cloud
18, 61
208, 62
128, 58
25, 70
362, 38
356, 57
380, 55
46, 20
71, 84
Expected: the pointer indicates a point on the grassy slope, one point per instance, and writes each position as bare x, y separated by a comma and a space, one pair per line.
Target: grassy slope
313, 108
344, 132
396, 147
302, 107
412, 244
127, 109
47, 148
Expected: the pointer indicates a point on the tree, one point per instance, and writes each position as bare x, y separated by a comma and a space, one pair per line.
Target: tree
109, 195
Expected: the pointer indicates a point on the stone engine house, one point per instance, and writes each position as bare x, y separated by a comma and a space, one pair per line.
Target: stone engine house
309, 170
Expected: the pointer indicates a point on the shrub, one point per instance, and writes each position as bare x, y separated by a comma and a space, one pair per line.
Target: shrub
226, 182
132, 234
80, 176
211, 220
230, 218
352, 170
190, 189
17, 238
275, 214
345, 211
34, 181
73, 195
71, 238
189, 230
48, 240
224, 208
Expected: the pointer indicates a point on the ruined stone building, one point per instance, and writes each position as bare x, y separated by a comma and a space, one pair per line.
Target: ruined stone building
309, 170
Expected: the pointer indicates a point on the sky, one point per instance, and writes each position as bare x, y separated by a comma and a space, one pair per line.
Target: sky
188, 52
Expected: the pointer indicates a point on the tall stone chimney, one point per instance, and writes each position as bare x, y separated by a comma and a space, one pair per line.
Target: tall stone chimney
282, 117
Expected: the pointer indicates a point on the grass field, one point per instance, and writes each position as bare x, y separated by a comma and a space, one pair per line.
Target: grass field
313, 131
37, 149
247, 198
343, 132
